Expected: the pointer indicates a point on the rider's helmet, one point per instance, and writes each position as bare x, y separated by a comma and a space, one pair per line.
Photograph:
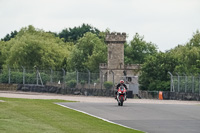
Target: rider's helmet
121, 81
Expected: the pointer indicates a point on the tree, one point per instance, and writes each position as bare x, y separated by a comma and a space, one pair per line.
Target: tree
99, 55
195, 40
9, 36
154, 72
89, 51
2, 57
182, 59
33, 47
188, 55
138, 49
74, 34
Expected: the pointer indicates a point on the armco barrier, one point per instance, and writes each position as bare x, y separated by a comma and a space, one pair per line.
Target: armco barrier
60, 90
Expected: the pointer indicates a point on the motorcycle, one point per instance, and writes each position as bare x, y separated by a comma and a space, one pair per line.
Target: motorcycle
121, 95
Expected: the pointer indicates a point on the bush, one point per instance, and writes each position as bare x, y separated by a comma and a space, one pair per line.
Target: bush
71, 83
45, 77
108, 85
83, 82
4, 77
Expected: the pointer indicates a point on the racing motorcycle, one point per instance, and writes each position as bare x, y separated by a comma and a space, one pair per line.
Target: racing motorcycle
121, 95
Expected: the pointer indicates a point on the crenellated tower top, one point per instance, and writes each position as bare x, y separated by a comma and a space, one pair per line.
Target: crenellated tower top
116, 37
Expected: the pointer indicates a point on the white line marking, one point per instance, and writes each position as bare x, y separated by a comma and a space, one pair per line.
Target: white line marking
98, 117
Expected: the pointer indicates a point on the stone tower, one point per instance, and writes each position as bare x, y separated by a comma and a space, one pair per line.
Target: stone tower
115, 43
115, 70
115, 65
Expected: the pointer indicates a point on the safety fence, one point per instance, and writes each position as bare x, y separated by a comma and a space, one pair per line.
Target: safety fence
52, 77
185, 83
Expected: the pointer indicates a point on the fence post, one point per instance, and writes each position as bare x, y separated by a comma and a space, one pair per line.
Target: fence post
101, 76
76, 76
171, 82
9, 75
178, 81
51, 77
37, 76
199, 84
63, 77
185, 82
23, 75
192, 83
88, 77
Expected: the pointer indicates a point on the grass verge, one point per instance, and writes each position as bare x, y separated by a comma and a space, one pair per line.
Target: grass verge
43, 116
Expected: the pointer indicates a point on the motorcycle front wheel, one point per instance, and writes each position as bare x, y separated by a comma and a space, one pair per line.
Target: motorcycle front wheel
119, 104
121, 101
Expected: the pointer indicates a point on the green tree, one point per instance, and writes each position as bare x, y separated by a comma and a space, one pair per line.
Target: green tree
154, 72
33, 47
188, 55
9, 36
89, 51
181, 59
2, 57
137, 50
74, 34
195, 40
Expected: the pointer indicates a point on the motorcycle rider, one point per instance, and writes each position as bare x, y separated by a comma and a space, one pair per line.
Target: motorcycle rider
121, 83
118, 85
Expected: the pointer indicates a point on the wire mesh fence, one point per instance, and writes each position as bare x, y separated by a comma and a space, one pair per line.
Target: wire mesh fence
185, 83
51, 77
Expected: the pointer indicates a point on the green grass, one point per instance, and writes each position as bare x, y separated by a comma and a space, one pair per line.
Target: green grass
43, 116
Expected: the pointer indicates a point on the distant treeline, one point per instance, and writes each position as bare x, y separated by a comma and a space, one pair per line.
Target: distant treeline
83, 47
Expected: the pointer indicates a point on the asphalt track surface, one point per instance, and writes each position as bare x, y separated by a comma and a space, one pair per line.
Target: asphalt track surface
151, 118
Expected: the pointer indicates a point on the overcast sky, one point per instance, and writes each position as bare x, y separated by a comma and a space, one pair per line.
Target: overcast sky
165, 23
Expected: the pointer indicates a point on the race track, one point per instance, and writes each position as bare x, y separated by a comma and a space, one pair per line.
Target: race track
151, 118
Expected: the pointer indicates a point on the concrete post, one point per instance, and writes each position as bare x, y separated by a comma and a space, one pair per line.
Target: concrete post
63, 78
23, 75
171, 83
37, 76
178, 81
51, 76
9, 75
192, 83
76, 76
88, 78
101, 78
185, 81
